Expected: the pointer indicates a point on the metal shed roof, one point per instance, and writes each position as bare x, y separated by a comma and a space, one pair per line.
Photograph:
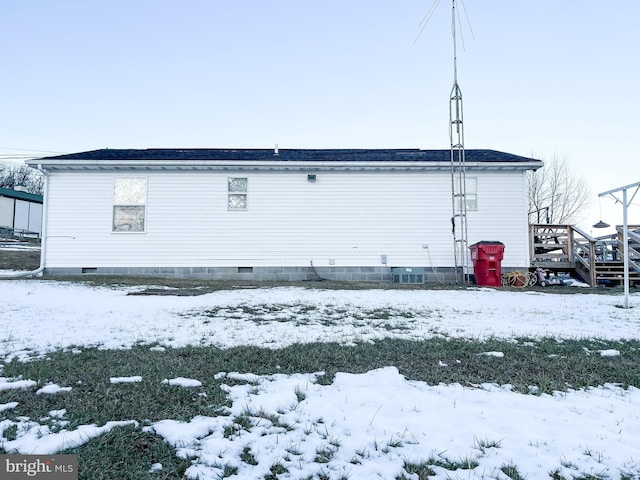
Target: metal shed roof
30, 197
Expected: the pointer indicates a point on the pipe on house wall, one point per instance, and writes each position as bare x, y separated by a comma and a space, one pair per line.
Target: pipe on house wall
22, 274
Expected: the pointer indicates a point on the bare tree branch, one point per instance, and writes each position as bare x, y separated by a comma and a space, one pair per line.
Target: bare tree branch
557, 195
18, 175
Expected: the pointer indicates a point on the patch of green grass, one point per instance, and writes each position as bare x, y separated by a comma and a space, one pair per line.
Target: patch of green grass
468, 462
93, 399
10, 433
548, 364
322, 475
423, 470
391, 319
294, 449
629, 475
273, 418
556, 475
324, 454
300, 395
24, 259
228, 471
395, 441
483, 444
247, 456
593, 476
126, 453
512, 472
276, 469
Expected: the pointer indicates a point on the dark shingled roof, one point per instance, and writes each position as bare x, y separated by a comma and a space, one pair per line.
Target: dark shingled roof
293, 155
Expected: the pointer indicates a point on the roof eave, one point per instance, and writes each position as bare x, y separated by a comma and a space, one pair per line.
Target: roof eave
276, 165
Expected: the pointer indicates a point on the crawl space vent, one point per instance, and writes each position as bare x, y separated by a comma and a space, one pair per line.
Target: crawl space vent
408, 275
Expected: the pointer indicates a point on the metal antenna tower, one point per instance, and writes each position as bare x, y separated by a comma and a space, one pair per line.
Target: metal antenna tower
458, 170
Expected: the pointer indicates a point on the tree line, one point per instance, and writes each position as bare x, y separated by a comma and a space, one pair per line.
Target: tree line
14, 176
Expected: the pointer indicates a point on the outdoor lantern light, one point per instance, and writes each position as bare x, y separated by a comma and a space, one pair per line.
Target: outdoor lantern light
600, 223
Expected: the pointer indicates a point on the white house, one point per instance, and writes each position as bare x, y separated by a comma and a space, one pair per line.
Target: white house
276, 215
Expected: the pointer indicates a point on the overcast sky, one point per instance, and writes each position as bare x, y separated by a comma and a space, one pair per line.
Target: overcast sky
539, 78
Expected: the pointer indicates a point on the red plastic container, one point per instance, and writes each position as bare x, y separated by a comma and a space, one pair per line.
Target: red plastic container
487, 263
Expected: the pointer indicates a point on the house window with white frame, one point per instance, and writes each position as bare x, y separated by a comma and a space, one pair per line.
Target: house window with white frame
237, 193
129, 204
471, 194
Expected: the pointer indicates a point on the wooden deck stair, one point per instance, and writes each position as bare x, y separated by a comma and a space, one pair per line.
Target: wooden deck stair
566, 248
613, 272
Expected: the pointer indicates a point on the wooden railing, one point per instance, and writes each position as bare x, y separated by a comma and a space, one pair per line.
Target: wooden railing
568, 248
550, 245
633, 246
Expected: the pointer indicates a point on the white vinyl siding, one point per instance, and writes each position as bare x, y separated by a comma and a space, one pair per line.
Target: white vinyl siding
502, 216
341, 219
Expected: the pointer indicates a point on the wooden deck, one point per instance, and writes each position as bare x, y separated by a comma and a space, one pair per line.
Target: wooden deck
598, 261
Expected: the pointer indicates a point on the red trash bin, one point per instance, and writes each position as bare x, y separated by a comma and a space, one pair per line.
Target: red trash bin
487, 263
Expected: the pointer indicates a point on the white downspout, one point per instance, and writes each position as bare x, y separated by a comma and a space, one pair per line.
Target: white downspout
22, 274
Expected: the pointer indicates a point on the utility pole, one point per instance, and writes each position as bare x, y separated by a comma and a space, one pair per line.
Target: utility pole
458, 170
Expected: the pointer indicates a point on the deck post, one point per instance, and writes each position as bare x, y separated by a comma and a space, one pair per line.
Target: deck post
532, 241
593, 278
571, 254
625, 242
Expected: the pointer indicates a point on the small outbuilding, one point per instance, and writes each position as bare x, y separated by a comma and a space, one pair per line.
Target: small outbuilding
20, 213
288, 214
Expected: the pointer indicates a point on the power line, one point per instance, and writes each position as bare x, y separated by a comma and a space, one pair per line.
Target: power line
41, 136
31, 150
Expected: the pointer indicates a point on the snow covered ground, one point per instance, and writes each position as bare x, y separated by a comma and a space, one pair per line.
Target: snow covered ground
361, 426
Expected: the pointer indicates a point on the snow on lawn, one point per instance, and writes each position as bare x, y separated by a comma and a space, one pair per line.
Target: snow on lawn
35, 439
369, 425
133, 379
40, 316
361, 426
52, 389
183, 382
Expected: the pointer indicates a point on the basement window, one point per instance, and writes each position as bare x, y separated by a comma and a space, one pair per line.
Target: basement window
237, 193
129, 204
